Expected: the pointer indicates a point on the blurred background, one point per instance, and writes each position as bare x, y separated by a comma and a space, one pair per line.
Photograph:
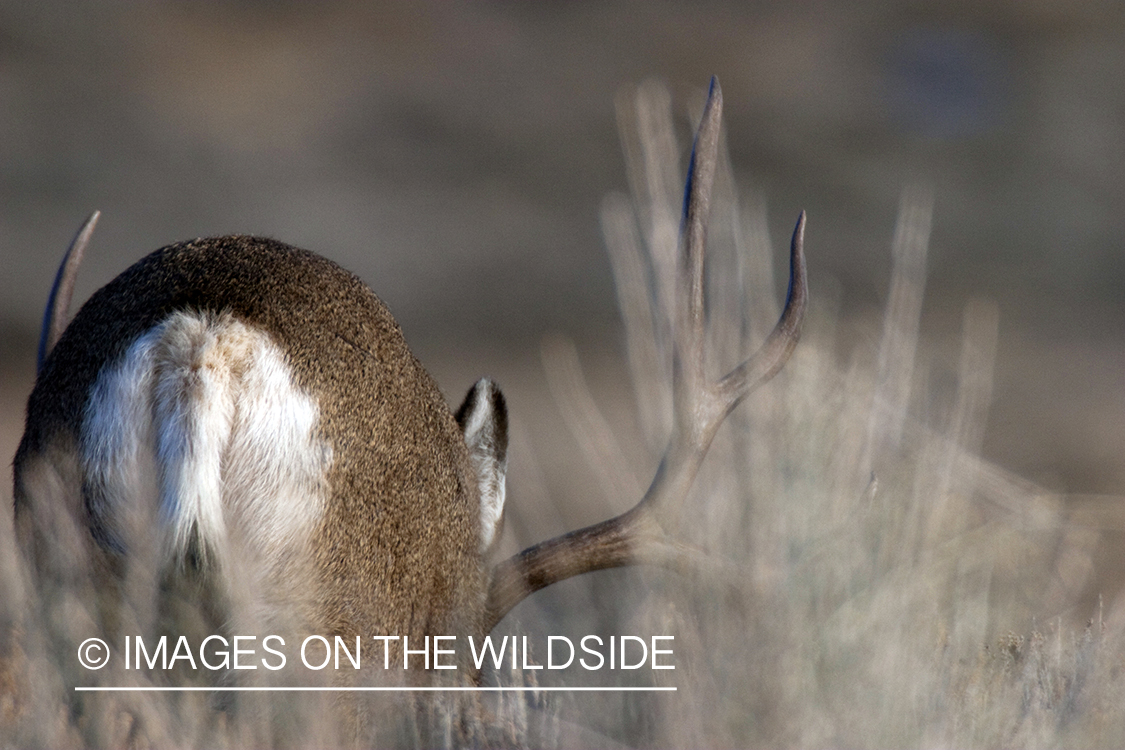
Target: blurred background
455, 156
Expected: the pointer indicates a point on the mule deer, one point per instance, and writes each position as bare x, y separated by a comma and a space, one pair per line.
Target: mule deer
259, 398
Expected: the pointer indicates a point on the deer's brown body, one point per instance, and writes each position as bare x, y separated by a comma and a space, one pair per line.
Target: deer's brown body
386, 538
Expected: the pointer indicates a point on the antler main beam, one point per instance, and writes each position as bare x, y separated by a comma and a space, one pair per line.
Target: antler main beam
640, 535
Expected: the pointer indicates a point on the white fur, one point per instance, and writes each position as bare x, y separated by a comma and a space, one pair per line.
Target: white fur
479, 430
201, 417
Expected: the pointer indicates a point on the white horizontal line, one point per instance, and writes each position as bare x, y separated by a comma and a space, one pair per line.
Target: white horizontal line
370, 689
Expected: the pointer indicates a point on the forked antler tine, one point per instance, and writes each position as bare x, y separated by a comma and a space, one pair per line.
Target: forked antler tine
639, 535
701, 409
57, 315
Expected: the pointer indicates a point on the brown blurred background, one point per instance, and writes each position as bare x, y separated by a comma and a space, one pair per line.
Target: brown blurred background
454, 155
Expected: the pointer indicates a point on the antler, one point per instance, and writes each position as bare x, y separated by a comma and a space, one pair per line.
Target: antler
640, 535
57, 315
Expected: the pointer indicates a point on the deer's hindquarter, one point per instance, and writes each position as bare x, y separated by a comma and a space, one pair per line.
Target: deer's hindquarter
258, 408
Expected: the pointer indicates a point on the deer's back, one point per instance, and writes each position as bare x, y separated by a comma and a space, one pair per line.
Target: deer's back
260, 394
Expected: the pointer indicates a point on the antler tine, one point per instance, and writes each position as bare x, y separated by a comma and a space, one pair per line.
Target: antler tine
779, 345
639, 535
688, 375
57, 315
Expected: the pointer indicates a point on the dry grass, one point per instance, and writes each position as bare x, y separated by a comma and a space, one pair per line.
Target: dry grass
869, 580
869, 568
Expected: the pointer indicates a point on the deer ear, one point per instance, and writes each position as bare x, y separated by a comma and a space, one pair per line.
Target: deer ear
484, 421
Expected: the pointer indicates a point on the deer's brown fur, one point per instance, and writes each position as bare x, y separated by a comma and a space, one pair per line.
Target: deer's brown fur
396, 550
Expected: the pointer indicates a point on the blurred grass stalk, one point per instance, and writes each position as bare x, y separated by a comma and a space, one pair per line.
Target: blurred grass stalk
871, 570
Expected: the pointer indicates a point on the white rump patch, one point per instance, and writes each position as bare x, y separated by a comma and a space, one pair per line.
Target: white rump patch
201, 422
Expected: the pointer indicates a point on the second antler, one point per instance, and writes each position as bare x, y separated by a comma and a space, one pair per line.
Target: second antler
641, 535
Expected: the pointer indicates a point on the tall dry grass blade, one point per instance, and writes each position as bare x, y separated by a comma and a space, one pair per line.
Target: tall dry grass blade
652, 158
585, 421
895, 367
980, 329
647, 365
